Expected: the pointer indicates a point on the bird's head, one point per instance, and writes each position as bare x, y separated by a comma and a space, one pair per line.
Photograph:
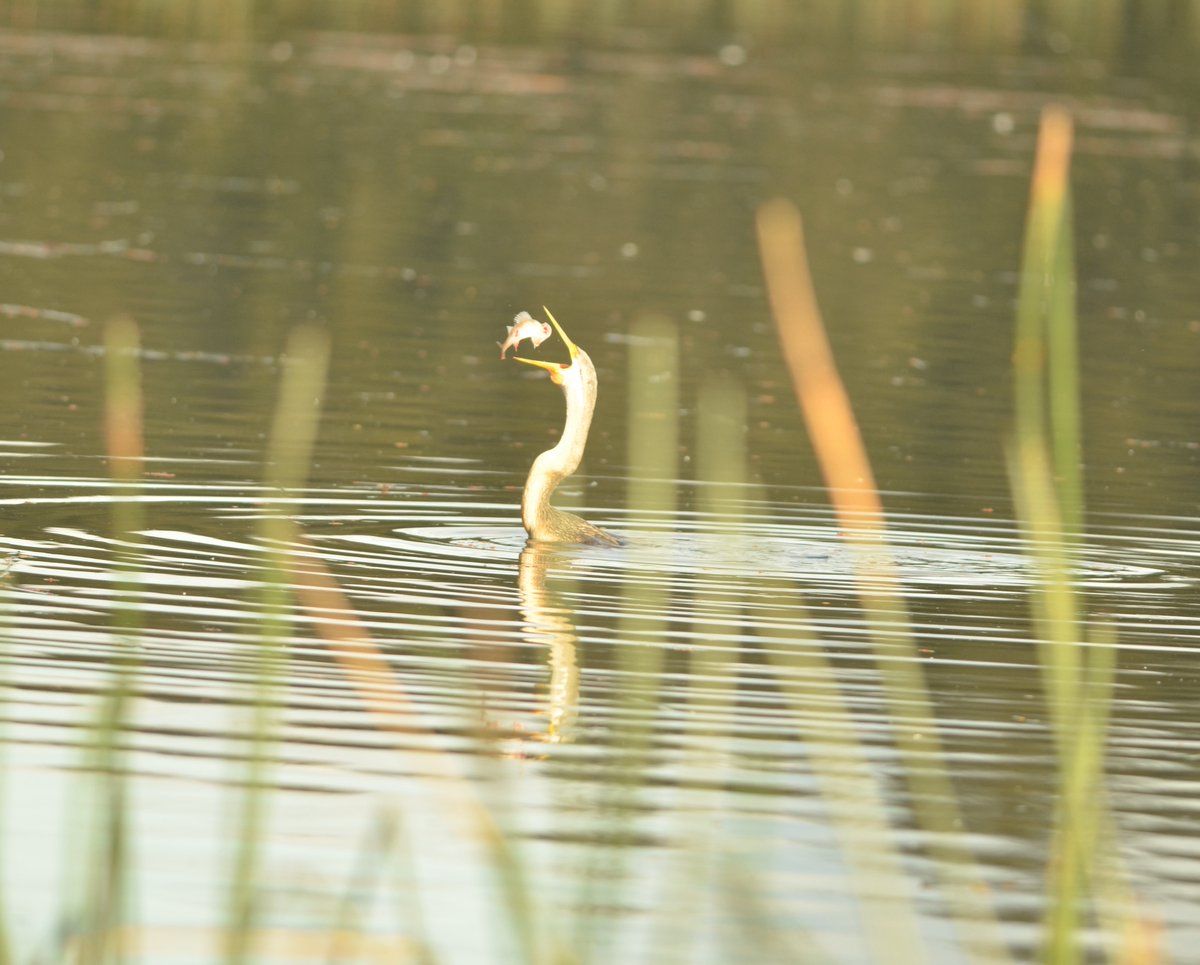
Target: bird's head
556, 369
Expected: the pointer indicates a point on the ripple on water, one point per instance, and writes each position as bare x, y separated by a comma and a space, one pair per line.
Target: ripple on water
805, 553
436, 579
443, 552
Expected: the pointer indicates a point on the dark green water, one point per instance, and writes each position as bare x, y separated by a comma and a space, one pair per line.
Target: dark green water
411, 194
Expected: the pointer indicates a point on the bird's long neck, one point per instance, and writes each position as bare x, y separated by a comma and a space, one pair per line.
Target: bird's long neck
554, 465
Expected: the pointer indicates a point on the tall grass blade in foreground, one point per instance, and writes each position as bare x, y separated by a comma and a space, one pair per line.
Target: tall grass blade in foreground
653, 447
289, 450
391, 710
653, 470
1077, 664
841, 454
694, 879
712, 668
1045, 457
106, 866
300, 576
6, 604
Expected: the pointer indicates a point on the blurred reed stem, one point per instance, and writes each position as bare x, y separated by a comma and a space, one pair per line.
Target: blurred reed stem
840, 452
653, 458
1078, 666
296, 574
101, 937
653, 446
653, 441
410, 914
289, 453
721, 458
1045, 389
7, 603
351, 923
855, 802
712, 670
392, 711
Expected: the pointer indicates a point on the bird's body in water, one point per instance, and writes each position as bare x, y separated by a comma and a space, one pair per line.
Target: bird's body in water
544, 522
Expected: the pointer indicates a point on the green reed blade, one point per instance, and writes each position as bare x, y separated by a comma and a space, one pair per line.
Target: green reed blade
1045, 464
653, 447
412, 922
1062, 338
376, 847
653, 459
7, 603
711, 693
289, 453
104, 871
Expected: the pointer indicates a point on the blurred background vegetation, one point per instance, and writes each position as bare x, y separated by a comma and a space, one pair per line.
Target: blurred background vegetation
1158, 37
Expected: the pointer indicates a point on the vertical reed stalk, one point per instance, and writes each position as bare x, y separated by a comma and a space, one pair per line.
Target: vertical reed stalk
389, 707
6, 605
653, 461
289, 451
1045, 388
1047, 481
413, 924
711, 691
854, 799
806, 678
842, 456
653, 468
376, 848
106, 867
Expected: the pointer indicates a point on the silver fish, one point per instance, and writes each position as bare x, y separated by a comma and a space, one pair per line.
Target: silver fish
524, 326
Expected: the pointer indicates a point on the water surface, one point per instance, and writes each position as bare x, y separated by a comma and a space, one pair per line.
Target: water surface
411, 195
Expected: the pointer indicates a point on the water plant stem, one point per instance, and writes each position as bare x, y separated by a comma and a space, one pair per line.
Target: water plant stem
842, 456
1078, 664
106, 868
289, 451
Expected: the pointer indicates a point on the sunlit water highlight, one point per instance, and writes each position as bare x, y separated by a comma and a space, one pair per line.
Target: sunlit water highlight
443, 601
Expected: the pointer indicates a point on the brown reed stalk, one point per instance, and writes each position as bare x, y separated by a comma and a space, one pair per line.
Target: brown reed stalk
842, 456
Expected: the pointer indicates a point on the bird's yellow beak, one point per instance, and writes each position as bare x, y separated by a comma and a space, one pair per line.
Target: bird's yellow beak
555, 369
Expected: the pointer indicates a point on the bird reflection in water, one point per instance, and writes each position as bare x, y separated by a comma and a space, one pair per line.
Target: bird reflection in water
551, 627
